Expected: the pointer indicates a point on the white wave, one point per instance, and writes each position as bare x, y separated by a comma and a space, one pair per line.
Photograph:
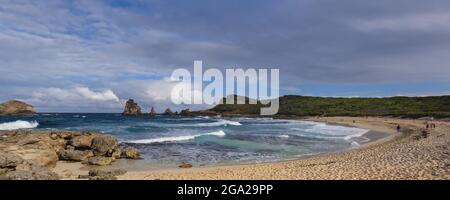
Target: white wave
322, 130
176, 138
19, 124
222, 122
283, 136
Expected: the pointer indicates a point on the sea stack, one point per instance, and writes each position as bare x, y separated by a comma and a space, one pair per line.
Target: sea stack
15, 107
152, 112
168, 112
132, 108
185, 112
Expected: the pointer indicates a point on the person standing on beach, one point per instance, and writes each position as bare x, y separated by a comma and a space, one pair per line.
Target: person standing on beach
398, 128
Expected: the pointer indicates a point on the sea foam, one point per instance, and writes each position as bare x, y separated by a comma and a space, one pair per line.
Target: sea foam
219, 133
222, 122
19, 124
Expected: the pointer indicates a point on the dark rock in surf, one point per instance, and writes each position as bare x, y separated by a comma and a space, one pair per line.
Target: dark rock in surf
152, 112
168, 112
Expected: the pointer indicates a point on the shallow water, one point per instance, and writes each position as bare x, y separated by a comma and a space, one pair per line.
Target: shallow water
165, 141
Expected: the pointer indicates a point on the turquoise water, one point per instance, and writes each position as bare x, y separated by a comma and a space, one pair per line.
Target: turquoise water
203, 140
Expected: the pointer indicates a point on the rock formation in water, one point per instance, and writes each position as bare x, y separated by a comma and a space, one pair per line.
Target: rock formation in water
168, 112
132, 108
15, 107
33, 154
152, 112
185, 112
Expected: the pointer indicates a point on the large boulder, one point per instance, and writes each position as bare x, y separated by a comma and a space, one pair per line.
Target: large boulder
41, 157
82, 142
14, 167
131, 153
104, 145
30, 171
132, 108
75, 155
9, 160
15, 107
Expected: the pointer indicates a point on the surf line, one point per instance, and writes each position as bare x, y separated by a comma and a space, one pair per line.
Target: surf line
198, 190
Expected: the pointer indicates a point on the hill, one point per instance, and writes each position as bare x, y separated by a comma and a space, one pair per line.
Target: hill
410, 107
15, 107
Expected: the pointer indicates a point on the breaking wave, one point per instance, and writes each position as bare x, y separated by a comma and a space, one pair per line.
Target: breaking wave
19, 124
176, 138
222, 122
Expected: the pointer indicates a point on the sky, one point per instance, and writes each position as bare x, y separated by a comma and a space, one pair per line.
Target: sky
90, 56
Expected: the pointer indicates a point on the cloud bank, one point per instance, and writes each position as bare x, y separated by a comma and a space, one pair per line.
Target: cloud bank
322, 47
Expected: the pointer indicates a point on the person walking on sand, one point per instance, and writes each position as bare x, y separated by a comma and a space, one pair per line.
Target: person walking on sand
398, 128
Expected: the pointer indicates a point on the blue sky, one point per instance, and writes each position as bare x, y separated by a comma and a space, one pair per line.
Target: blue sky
90, 56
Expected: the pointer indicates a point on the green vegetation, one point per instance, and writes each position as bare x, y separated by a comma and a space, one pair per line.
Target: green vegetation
409, 107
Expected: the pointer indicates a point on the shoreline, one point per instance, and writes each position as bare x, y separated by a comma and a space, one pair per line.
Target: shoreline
382, 158
385, 155
367, 138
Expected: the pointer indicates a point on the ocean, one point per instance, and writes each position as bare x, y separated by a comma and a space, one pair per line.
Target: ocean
166, 141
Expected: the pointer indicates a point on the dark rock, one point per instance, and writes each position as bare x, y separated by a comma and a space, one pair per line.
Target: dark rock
185, 165
104, 145
75, 155
152, 112
131, 108
130, 153
185, 112
168, 112
99, 160
115, 172
103, 174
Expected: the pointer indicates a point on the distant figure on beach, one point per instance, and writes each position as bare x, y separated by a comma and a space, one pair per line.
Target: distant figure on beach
425, 133
398, 128
428, 125
433, 125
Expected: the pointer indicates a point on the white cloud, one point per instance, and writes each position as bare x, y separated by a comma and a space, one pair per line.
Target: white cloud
75, 94
106, 95
162, 90
427, 22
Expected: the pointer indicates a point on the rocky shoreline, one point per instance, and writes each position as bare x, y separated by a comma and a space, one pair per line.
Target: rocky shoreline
31, 155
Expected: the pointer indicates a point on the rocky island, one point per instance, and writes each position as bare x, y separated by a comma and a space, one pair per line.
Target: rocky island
132, 108
15, 107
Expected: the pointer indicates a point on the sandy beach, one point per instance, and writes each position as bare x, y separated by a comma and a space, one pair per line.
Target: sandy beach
404, 155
